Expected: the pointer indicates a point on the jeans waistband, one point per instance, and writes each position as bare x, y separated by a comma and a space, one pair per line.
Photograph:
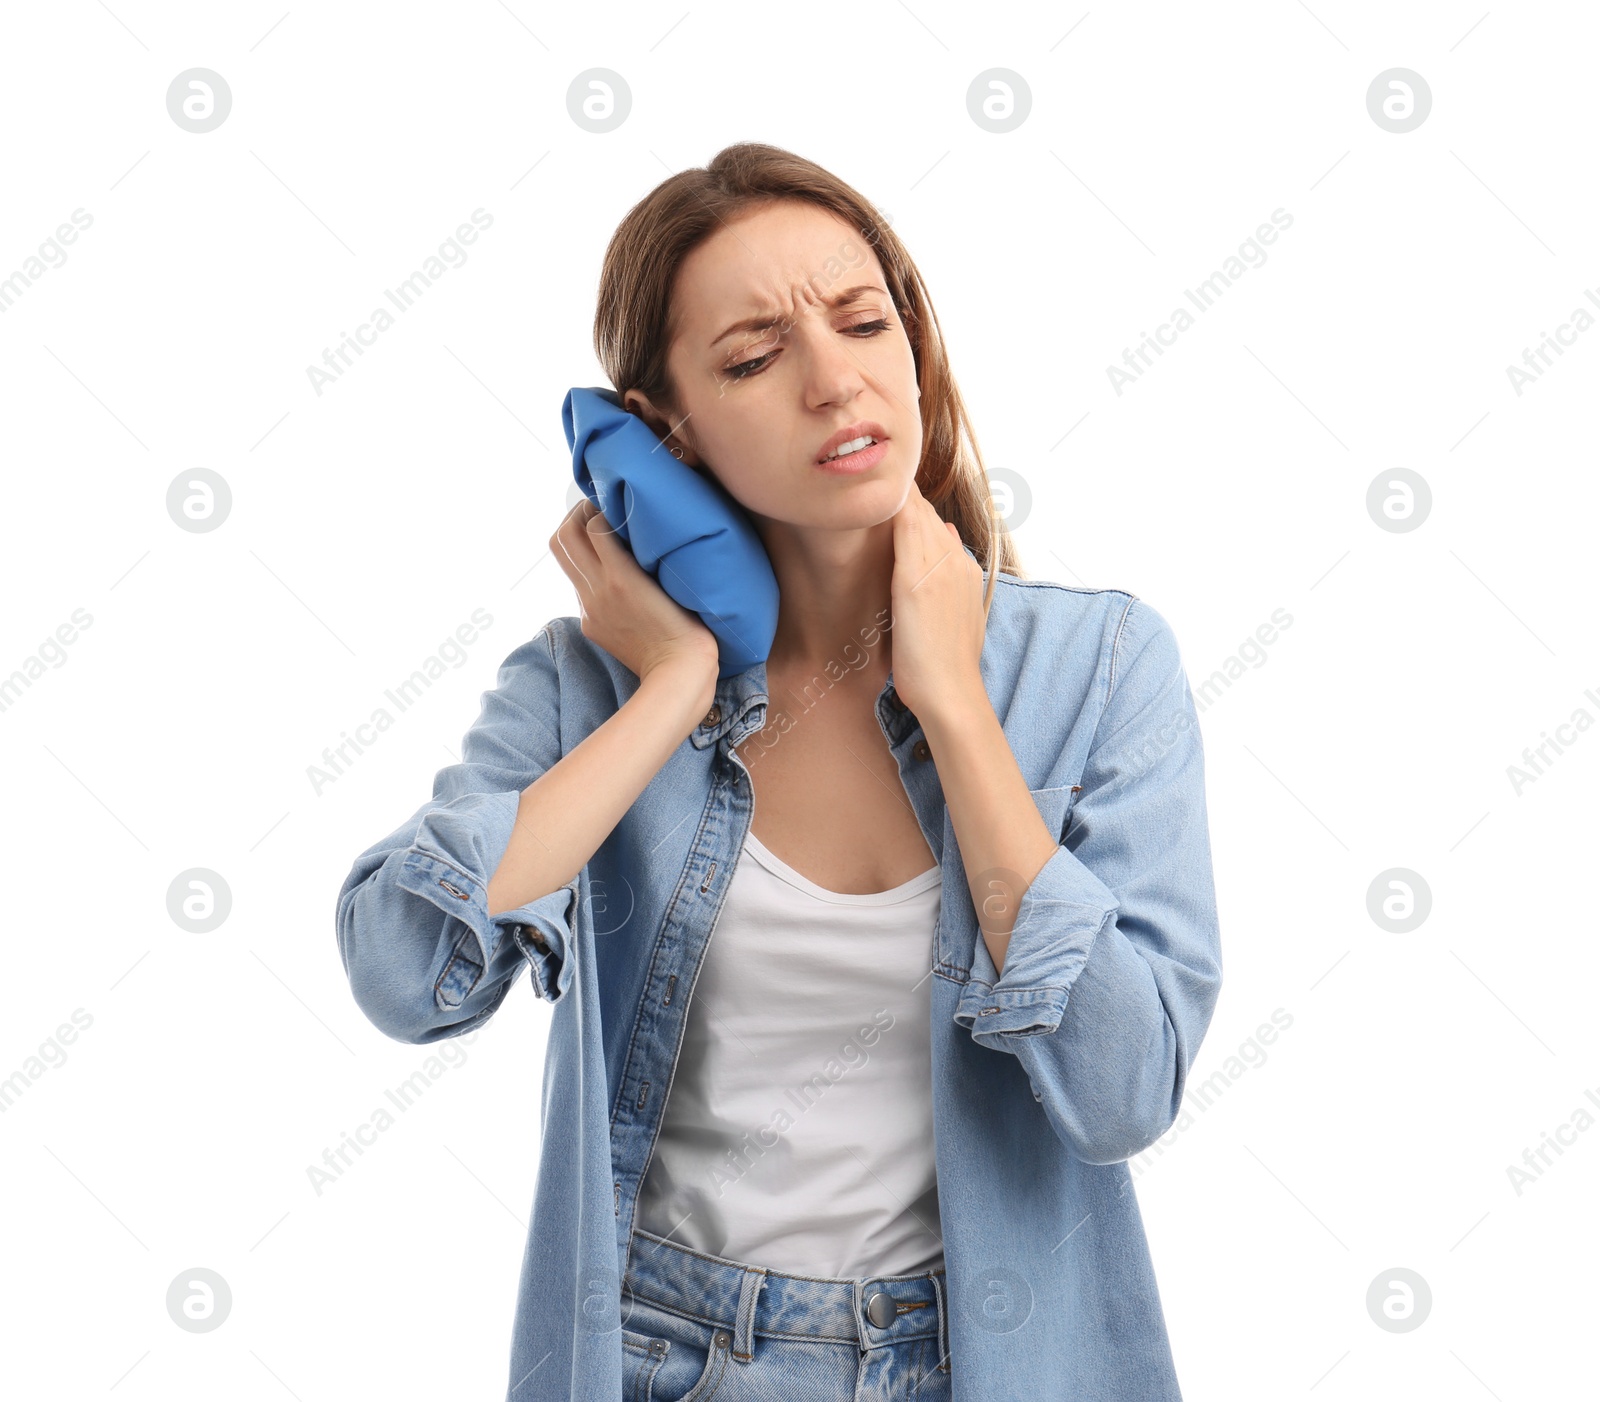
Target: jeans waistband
870, 1312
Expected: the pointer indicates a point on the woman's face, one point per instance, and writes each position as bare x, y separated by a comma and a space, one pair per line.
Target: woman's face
786, 336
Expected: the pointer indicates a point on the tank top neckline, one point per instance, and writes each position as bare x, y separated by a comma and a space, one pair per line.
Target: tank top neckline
919, 883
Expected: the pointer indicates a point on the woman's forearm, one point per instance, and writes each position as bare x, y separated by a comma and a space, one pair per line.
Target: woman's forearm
568, 811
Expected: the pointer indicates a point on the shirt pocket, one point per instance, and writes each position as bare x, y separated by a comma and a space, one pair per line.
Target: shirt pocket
1055, 806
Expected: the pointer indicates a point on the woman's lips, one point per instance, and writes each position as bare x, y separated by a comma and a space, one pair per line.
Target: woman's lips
862, 428
862, 460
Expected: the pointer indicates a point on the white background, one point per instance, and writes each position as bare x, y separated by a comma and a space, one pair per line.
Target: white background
368, 522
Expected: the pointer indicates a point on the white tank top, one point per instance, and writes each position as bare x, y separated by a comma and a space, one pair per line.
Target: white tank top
798, 1131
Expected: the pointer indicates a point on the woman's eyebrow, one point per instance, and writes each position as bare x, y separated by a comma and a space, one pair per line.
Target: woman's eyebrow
762, 320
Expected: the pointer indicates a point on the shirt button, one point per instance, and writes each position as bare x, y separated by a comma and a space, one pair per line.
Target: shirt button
921, 750
880, 1309
712, 716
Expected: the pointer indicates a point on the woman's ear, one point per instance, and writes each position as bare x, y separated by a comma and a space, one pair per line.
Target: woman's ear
677, 444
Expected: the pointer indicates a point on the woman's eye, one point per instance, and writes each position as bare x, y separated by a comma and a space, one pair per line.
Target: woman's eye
747, 368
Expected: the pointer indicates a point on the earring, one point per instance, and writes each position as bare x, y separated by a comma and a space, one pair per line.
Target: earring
678, 453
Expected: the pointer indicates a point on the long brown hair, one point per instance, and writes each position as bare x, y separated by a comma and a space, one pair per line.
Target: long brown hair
633, 319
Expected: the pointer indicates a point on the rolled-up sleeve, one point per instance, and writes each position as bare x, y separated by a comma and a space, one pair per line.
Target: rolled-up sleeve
423, 957
1114, 962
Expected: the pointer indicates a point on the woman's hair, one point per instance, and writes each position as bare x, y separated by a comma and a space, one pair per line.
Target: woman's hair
634, 319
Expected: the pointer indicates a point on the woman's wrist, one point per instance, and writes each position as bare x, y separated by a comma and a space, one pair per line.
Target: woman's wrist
683, 683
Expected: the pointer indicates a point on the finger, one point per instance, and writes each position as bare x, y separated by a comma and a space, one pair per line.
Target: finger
561, 525
575, 553
582, 509
608, 540
576, 514
599, 526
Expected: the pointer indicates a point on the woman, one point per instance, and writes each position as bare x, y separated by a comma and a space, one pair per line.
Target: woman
870, 1141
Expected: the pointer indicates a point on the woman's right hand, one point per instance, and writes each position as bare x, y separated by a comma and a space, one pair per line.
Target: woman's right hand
623, 609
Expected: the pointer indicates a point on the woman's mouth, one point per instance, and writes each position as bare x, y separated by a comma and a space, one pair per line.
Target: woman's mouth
856, 455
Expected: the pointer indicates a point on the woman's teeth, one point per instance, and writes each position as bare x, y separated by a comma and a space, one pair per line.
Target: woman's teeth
855, 445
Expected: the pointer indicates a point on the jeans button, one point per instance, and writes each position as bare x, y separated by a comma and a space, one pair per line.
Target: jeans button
712, 717
880, 1309
921, 750
722, 1340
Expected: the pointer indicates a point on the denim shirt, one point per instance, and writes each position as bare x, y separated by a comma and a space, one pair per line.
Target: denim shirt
1045, 1079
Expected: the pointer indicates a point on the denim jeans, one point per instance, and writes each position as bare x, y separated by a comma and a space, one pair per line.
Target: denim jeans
696, 1327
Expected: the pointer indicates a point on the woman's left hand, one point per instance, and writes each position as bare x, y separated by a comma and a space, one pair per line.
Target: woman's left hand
936, 598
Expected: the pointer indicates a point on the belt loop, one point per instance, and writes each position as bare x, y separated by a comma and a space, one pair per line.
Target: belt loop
939, 1280
744, 1329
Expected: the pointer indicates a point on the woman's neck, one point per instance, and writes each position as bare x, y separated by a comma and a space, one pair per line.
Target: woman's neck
834, 598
